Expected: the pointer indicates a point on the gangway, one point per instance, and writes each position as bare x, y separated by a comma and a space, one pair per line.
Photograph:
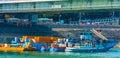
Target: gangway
99, 34
103, 37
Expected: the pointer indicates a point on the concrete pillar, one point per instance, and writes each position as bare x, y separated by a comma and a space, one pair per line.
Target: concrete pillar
80, 16
113, 14
119, 17
34, 18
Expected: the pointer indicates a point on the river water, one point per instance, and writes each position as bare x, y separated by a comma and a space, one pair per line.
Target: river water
113, 53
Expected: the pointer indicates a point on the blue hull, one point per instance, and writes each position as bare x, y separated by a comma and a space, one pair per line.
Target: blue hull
106, 46
89, 50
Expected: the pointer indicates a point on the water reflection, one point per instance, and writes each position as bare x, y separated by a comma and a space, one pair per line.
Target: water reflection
113, 53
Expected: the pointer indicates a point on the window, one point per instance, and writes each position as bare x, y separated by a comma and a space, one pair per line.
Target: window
42, 5
0, 6
24, 6
9, 7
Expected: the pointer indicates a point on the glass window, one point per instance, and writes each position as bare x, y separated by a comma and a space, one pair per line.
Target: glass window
42, 5
9, 7
23, 6
75, 3
116, 3
65, 4
0, 6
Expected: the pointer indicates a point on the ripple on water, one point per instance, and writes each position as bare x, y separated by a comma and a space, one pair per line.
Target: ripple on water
113, 53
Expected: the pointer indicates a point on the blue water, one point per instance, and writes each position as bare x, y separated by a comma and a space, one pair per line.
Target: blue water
113, 53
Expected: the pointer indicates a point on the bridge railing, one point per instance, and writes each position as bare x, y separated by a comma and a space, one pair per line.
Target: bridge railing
63, 5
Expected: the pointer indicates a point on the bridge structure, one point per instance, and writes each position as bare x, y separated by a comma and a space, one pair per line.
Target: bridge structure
33, 9
56, 5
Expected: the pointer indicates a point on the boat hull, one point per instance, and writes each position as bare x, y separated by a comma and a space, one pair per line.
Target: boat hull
87, 50
11, 49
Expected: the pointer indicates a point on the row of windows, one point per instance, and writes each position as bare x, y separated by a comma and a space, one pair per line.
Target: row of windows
65, 4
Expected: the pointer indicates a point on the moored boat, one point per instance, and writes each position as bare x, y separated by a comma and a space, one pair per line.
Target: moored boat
90, 44
11, 49
90, 48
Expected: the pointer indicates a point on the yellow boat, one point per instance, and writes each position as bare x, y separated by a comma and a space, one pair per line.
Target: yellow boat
11, 49
8, 48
